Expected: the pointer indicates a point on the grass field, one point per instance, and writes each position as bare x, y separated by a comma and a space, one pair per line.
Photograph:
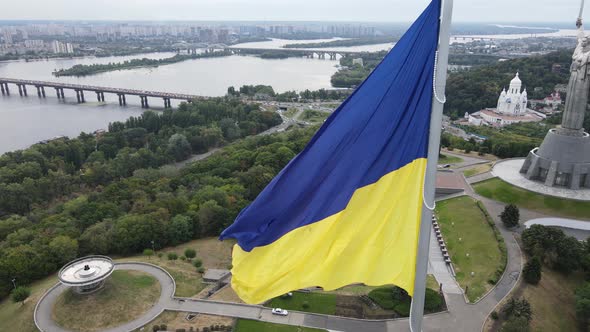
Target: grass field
19, 317
244, 325
213, 253
499, 190
477, 169
448, 159
553, 301
471, 243
321, 303
314, 116
290, 112
126, 296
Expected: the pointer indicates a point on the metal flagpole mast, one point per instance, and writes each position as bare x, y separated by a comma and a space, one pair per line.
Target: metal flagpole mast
581, 10
440, 82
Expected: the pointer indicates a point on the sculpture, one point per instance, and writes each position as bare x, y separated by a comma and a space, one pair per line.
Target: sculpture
578, 86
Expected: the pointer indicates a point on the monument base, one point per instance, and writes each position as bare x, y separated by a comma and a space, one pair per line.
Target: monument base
562, 161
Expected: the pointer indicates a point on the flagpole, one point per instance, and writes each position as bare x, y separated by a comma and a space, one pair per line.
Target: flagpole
417, 308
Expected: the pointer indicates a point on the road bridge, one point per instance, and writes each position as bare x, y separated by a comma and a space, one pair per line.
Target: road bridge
99, 90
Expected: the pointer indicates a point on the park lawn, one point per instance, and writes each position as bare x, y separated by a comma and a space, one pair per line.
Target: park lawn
215, 254
553, 301
448, 159
314, 116
473, 154
477, 169
499, 190
290, 112
18, 316
246, 325
126, 295
466, 231
320, 303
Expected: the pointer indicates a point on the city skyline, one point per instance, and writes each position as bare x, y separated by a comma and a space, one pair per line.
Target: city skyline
290, 10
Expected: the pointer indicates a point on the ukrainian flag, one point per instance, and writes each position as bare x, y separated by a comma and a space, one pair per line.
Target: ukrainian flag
347, 208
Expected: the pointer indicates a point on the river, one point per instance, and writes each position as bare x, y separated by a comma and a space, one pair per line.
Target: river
27, 120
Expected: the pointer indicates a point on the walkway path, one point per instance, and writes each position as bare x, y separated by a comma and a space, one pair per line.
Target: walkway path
460, 316
509, 171
42, 314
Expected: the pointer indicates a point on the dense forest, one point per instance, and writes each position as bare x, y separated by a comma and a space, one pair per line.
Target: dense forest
266, 91
114, 193
480, 87
349, 76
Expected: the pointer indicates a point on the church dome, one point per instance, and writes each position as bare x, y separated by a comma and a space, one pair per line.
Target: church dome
516, 80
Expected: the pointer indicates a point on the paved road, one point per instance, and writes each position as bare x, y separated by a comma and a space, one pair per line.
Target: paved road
42, 315
460, 316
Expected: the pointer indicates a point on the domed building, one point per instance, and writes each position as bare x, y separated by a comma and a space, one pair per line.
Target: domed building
511, 108
513, 102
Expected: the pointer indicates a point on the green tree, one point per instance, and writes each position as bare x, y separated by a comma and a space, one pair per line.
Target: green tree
198, 263
148, 252
179, 147
20, 294
532, 271
583, 305
96, 239
510, 216
518, 308
63, 249
180, 230
190, 253
211, 217
172, 256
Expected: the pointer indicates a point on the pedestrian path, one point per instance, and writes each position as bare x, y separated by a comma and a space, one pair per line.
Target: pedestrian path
439, 268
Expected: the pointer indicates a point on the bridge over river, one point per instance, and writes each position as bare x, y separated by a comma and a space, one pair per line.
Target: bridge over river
99, 90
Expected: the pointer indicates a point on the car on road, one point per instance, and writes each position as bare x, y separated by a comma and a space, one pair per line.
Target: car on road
279, 311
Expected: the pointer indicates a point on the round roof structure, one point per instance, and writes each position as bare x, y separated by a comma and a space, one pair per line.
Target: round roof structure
516, 80
86, 271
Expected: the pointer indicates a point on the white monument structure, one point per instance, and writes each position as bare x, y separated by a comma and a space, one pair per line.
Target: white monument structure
511, 108
87, 274
513, 102
563, 159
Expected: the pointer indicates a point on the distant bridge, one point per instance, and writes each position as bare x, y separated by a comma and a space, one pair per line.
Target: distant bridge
99, 90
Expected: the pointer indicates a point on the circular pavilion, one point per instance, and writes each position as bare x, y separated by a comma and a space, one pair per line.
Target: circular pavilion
87, 274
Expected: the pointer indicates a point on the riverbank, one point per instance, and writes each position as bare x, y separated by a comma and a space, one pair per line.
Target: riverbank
85, 70
345, 42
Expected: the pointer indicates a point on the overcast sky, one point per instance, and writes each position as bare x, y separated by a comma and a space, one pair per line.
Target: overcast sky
287, 10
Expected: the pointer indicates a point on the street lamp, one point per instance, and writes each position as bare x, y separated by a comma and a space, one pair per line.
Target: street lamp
14, 282
153, 247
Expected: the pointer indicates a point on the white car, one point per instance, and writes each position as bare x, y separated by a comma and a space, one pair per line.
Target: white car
280, 312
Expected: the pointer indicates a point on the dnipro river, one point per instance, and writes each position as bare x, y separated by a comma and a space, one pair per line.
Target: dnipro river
27, 120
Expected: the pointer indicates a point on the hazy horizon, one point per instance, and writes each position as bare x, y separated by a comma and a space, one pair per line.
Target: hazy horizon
368, 11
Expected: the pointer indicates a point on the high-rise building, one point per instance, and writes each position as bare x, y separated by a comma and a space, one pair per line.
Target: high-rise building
7, 36
58, 47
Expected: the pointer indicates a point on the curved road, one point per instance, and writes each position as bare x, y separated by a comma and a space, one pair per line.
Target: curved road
42, 315
461, 316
